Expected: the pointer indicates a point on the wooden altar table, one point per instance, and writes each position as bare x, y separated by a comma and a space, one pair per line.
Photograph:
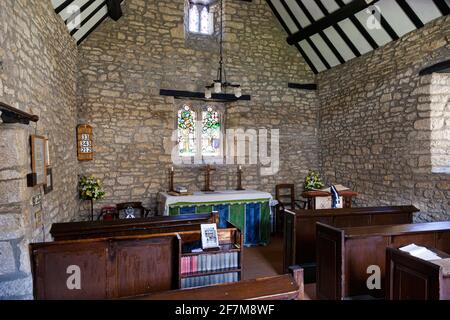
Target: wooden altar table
248, 210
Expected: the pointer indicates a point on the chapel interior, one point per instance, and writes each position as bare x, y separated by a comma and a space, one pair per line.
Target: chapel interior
225, 149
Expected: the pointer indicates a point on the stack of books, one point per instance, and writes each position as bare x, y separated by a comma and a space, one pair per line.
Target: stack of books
200, 281
209, 262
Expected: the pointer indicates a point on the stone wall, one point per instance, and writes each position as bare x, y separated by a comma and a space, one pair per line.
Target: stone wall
375, 127
124, 64
37, 75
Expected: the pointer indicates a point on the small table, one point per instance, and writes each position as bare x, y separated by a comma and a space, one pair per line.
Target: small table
347, 195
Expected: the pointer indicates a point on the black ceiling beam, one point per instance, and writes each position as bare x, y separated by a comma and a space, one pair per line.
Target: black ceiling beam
85, 20
339, 30
321, 33
310, 42
410, 13
443, 7
219, 97
387, 27
114, 9
440, 67
63, 5
339, 15
359, 25
75, 14
302, 86
285, 27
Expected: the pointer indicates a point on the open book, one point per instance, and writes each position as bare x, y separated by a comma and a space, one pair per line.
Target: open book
339, 188
420, 252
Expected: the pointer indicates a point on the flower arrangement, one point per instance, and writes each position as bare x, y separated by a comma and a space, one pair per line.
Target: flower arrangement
313, 181
91, 188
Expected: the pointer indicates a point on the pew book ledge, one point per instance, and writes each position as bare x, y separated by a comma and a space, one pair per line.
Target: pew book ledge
283, 287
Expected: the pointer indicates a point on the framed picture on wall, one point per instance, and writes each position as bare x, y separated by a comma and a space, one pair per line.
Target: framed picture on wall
49, 186
39, 160
47, 153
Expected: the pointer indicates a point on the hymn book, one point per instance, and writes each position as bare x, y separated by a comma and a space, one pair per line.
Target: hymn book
420, 252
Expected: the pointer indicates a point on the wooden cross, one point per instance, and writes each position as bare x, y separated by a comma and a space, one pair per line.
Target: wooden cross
208, 170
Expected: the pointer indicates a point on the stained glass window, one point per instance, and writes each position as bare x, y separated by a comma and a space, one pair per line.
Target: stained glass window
202, 137
186, 132
205, 21
211, 133
201, 19
194, 19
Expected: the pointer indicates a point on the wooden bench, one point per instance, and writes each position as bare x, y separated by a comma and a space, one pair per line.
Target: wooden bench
283, 287
411, 278
299, 243
107, 268
115, 267
154, 225
343, 255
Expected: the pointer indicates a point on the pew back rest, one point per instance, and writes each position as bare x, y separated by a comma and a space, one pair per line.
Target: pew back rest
300, 227
411, 278
153, 225
104, 268
330, 262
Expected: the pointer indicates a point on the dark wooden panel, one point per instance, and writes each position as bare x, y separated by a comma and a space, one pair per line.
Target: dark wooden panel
330, 251
129, 227
443, 241
299, 243
359, 255
145, 266
352, 221
386, 219
422, 239
109, 268
284, 287
51, 271
305, 238
365, 246
410, 278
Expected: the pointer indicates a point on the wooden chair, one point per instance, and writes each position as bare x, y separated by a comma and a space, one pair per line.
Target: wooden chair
130, 210
286, 200
108, 213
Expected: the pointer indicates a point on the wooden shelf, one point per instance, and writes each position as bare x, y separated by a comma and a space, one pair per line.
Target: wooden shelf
190, 254
208, 273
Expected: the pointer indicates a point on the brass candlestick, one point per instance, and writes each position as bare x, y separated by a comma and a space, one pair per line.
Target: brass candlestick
171, 175
239, 186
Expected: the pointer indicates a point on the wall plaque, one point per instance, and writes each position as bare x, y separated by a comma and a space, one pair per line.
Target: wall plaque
38, 160
85, 142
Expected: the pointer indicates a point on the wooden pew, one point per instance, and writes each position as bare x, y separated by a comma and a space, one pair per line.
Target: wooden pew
343, 255
154, 225
299, 243
108, 268
283, 287
115, 267
411, 278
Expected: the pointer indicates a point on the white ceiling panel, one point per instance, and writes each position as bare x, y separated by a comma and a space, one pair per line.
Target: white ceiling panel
312, 56
395, 16
426, 10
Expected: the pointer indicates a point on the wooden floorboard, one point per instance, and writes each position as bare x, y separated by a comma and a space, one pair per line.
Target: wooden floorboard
266, 261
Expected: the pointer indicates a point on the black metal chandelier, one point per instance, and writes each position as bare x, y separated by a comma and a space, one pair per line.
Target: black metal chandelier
221, 84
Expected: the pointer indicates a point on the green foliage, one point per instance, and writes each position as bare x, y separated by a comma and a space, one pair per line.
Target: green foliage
313, 181
90, 188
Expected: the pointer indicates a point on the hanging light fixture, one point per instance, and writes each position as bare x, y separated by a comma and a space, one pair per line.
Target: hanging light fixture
221, 84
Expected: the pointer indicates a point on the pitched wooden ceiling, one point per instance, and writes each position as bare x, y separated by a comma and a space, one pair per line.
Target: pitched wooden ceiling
331, 32
83, 16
